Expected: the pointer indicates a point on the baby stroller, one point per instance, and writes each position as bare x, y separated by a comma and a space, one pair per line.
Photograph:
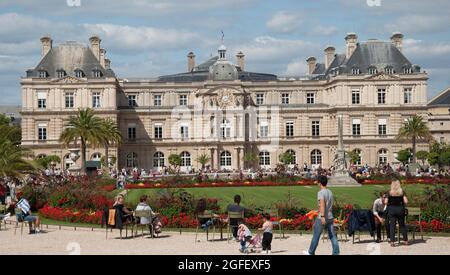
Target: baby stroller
254, 243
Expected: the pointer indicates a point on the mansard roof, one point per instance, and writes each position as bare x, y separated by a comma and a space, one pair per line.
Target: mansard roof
70, 57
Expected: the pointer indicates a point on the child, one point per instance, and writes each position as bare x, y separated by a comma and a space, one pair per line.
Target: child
267, 234
244, 235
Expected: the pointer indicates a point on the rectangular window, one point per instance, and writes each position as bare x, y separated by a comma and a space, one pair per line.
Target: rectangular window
158, 131
42, 100
310, 98
183, 100
42, 131
407, 95
284, 98
132, 100
290, 129
184, 132
356, 97
132, 132
356, 127
382, 126
259, 99
96, 100
157, 100
381, 96
264, 129
315, 128
69, 98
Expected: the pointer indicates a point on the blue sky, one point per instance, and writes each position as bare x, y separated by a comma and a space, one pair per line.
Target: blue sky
148, 38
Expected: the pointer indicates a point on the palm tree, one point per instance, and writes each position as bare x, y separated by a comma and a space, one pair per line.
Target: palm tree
110, 135
203, 159
13, 162
414, 129
87, 128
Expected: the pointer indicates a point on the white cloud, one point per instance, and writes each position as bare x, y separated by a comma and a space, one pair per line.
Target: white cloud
419, 24
284, 22
297, 67
321, 30
128, 38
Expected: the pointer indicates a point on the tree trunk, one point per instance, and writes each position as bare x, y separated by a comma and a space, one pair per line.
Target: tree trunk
83, 157
107, 155
414, 160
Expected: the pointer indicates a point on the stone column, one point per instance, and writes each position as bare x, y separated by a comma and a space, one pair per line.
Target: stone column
212, 158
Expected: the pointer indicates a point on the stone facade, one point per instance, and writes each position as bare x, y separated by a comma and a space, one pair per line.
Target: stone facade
226, 112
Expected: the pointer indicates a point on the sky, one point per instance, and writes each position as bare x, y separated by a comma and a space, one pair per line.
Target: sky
149, 38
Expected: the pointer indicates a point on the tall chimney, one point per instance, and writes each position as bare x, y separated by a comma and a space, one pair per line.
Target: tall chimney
397, 40
240, 60
330, 51
312, 61
351, 39
102, 57
191, 61
95, 45
46, 43
107, 64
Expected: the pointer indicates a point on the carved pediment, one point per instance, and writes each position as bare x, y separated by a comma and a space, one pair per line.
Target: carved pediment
382, 76
223, 97
68, 80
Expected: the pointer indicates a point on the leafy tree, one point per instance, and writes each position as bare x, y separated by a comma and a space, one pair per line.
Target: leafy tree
175, 161
287, 158
47, 160
354, 157
14, 159
404, 156
414, 129
250, 159
110, 135
85, 127
422, 156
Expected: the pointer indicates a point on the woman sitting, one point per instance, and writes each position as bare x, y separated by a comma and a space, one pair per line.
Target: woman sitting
154, 219
125, 214
201, 210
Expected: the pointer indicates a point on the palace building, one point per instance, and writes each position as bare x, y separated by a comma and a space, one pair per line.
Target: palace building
238, 118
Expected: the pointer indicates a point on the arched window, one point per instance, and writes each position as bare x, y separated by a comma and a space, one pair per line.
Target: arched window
158, 159
97, 73
264, 158
61, 73
96, 157
407, 70
132, 160
356, 70
292, 153
372, 70
358, 159
79, 73
389, 70
382, 156
225, 129
43, 74
185, 159
225, 158
316, 157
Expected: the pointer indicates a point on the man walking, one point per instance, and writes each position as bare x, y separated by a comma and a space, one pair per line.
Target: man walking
324, 219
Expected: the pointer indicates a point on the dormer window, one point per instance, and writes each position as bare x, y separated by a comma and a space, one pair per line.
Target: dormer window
97, 73
79, 73
407, 70
43, 74
389, 70
61, 73
373, 70
355, 70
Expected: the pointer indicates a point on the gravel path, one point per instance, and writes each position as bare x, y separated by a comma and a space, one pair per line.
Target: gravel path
84, 241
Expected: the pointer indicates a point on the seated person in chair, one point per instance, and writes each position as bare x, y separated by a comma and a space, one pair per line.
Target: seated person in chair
235, 208
154, 220
380, 213
124, 213
26, 215
200, 210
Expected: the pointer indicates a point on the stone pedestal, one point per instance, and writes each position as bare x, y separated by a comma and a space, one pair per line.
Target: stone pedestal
342, 180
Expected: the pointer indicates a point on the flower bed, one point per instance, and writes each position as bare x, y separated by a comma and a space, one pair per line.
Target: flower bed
149, 185
407, 181
298, 222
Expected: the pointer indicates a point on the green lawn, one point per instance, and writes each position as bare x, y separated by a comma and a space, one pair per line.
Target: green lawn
266, 196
